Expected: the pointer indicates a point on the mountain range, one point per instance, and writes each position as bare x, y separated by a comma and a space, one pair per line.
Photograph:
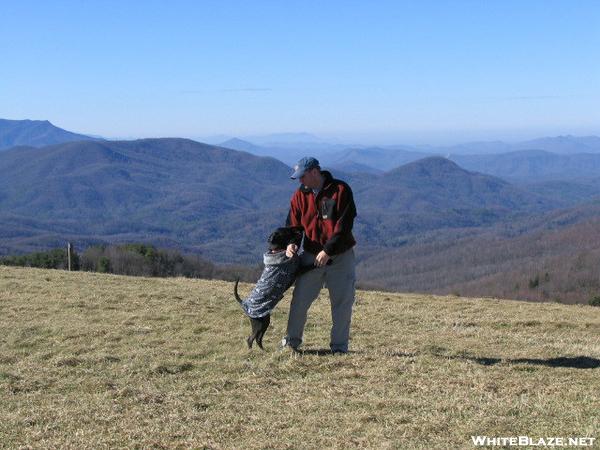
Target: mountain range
415, 221
220, 201
566, 158
563, 158
557, 144
174, 191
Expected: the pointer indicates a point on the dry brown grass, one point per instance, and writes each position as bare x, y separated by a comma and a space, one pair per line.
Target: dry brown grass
104, 361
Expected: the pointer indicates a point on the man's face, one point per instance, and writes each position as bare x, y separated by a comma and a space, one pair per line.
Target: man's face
311, 178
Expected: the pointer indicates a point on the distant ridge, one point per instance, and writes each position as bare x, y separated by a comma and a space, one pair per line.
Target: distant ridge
565, 145
433, 186
547, 158
377, 159
352, 167
431, 166
242, 146
286, 139
533, 165
35, 133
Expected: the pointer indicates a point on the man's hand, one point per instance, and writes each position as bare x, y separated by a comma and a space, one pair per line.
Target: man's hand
291, 250
321, 259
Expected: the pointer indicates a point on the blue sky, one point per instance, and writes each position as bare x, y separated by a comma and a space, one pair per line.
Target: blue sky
380, 72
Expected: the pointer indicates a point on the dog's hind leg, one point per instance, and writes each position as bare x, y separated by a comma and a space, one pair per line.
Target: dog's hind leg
263, 329
259, 339
259, 327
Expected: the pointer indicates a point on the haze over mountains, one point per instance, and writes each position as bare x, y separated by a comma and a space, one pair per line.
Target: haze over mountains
558, 158
559, 144
419, 215
534, 165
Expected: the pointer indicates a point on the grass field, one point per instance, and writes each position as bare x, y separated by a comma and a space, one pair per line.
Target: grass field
103, 361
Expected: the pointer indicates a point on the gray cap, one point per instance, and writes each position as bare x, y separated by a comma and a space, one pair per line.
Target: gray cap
306, 163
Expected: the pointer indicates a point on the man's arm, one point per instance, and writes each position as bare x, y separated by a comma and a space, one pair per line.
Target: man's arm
294, 220
345, 221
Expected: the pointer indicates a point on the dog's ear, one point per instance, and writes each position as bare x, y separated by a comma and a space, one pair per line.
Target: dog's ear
275, 236
296, 232
279, 239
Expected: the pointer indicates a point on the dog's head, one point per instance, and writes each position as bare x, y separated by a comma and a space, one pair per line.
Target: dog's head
259, 327
281, 237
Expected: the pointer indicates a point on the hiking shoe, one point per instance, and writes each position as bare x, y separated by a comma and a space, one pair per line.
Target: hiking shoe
286, 346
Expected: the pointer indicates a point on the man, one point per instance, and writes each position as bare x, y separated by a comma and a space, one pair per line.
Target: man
324, 208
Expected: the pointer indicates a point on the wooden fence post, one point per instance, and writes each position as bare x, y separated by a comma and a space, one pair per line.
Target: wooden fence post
69, 253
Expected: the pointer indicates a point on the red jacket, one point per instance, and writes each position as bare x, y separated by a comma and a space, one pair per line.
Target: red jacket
326, 218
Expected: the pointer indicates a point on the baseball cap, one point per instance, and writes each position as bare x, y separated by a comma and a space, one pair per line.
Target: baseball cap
306, 163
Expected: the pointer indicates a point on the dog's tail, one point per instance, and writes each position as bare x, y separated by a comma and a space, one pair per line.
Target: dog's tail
235, 291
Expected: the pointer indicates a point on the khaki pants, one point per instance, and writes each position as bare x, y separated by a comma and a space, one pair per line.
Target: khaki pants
339, 277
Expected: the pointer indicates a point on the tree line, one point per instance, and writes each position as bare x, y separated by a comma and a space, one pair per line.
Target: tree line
134, 260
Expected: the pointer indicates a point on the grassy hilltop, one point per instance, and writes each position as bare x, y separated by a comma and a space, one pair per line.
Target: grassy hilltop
103, 361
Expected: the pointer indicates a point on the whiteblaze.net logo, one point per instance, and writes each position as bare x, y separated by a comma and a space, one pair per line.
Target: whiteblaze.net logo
527, 441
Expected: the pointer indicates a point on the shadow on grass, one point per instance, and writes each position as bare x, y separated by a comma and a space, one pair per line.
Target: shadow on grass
324, 352
402, 354
574, 362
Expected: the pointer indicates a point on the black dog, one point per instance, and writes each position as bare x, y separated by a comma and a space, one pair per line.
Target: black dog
279, 274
